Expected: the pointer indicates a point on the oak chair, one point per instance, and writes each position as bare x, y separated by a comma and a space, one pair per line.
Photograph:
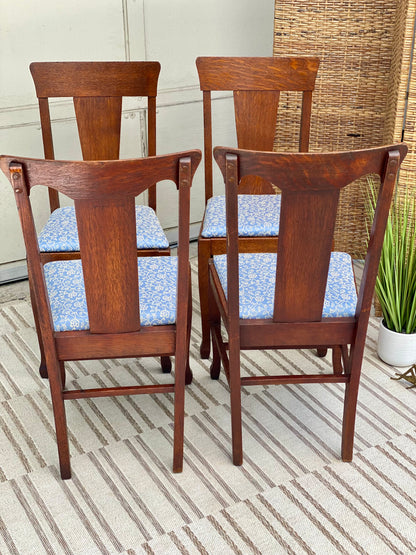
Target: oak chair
97, 90
256, 84
109, 303
309, 298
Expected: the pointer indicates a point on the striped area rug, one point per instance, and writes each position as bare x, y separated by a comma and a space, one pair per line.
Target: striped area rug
292, 495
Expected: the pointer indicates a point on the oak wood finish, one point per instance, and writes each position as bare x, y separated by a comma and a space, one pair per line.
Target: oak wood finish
256, 84
104, 195
310, 185
97, 90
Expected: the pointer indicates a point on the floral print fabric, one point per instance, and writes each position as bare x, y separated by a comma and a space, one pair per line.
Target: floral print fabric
257, 273
258, 216
60, 233
157, 290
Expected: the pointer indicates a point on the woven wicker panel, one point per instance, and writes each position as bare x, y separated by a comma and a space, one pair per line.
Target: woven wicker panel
406, 105
361, 76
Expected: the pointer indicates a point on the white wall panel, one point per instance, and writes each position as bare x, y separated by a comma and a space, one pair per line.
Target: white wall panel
172, 32
47, 30
177, 32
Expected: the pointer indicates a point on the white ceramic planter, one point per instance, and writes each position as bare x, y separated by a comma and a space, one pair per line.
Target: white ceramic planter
396, 349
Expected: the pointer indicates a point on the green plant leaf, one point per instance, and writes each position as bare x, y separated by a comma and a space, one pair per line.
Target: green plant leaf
396, 279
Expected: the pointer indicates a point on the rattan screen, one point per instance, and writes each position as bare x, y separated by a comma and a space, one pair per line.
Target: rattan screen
360, 97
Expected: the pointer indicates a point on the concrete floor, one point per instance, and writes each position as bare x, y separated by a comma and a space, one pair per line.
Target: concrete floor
20, 289
14, 291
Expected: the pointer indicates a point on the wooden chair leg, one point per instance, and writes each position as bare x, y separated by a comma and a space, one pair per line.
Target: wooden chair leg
321, 351
215, 329
179, 410
345, 356
215, 367
181, 371
188, 374
42, 367
63, 373
336, 360
348, 426
203, 259
166, 364
340, 359
55, 382
188, 371
235, 400
350, 407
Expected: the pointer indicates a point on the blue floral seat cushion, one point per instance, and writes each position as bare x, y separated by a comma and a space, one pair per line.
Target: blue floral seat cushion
157, 290
60, 233
257, 274
258, 216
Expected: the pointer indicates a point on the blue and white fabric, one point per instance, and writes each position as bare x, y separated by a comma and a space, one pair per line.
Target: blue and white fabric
157, 291
258, 216
60, 233
257, 278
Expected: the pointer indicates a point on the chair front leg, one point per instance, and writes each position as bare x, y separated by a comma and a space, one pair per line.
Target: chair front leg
183, 375
179, 410
63, 373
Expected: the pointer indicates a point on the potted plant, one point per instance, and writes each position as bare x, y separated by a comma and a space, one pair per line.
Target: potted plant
396, 282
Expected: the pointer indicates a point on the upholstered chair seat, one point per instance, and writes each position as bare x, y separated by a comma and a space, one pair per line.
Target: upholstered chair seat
258, 216
60, 232
257, 273
157, 285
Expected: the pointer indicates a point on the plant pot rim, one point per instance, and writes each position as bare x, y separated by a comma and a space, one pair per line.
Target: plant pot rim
396, 349
383, 322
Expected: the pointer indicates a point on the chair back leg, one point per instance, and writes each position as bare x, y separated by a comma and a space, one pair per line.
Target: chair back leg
188, 371
235, 401
204, 254
55, 368
350, 399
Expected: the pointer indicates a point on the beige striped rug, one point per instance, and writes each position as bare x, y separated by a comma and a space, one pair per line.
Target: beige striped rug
293, 494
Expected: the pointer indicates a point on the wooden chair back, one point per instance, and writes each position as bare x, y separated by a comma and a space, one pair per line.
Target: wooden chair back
256, 84
104, 197
310, 185
97, 89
